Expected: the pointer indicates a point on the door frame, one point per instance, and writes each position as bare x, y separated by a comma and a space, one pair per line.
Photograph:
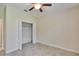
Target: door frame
2, 40
20, 32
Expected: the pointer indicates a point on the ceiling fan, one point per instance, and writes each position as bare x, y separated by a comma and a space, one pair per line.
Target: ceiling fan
38, 6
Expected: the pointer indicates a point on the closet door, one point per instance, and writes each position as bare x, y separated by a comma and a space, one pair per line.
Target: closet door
26, 33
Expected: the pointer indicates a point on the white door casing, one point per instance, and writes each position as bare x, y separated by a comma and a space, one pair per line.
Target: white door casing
20, 32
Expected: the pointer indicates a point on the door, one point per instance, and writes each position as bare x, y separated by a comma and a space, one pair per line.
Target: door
26, 32
20, 34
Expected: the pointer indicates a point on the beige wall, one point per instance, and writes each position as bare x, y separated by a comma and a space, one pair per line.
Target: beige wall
60, 29
1, 25
1, 11
0, 33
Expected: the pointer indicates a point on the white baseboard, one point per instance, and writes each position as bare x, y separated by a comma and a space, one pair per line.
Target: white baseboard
56, 46
11, 50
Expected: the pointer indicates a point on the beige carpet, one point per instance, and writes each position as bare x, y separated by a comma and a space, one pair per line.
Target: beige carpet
40, 50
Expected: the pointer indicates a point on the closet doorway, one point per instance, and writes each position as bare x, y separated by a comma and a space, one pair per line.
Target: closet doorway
26, 33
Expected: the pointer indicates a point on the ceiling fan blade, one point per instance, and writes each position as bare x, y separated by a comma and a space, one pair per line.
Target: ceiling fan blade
41, 10
47, 4
31, 8
25, 10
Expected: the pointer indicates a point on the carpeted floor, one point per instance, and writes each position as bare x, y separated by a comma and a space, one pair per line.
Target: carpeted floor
40, 50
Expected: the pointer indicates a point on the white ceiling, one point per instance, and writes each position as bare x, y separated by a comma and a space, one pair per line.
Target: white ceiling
56, 7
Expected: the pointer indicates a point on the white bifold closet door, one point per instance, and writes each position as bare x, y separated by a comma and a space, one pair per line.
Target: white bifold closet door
26, 32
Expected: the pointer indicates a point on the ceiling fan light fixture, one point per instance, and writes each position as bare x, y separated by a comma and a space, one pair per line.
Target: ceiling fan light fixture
37, 6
